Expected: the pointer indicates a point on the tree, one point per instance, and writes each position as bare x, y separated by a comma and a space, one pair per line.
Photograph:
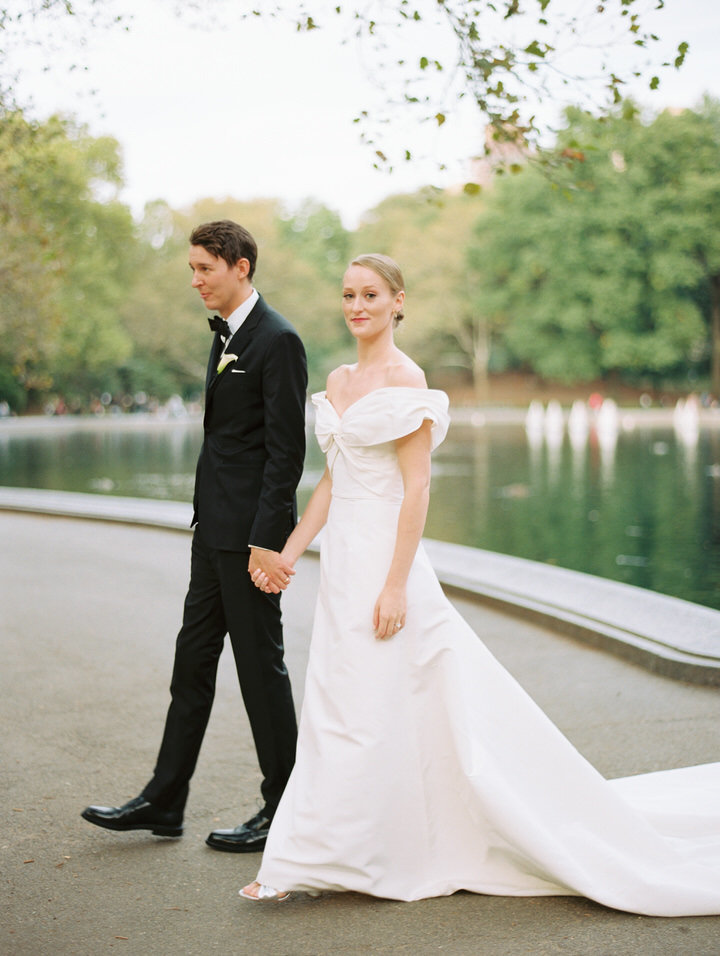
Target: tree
67, 255
703, 244
161, 313
28, 281
313, 250
607, 268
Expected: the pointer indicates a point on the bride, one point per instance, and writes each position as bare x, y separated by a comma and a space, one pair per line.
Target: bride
422, 767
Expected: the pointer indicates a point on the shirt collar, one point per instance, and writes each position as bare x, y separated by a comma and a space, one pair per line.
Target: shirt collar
236, 318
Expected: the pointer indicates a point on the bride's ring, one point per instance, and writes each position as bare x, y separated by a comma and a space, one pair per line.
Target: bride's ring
397, 627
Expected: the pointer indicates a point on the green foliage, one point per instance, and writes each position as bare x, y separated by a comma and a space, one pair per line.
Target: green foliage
317, 235
312, 251
67, 256
92, 303
160, 310
609, 266
605, 267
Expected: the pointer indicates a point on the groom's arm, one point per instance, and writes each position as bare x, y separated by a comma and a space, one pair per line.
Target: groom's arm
284, 386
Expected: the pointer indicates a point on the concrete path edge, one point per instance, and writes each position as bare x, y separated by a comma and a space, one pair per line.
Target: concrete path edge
666, 635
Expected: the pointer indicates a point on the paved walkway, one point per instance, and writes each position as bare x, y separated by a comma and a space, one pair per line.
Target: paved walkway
671, 637
88, 615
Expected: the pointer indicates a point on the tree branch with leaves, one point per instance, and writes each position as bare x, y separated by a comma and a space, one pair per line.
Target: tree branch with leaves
511, 58
521, 62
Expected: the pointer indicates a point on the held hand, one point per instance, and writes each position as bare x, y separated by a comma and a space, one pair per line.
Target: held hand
269, 570
389, 613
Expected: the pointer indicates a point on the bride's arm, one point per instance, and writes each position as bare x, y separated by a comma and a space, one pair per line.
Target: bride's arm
315, 515
413, 453
312, 520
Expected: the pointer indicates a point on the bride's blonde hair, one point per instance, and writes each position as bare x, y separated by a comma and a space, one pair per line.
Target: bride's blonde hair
388, 270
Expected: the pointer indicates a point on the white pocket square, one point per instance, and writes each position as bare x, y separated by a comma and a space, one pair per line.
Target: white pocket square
238, 371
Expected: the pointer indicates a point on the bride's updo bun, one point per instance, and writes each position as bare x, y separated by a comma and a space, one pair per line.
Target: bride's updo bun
388, 270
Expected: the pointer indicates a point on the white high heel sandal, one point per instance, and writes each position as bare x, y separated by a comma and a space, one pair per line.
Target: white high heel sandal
265, 894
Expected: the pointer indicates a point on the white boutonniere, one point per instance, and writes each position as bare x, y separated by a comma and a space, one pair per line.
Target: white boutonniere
226, 359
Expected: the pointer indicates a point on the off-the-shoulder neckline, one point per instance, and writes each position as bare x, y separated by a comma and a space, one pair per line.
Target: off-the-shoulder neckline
374, 391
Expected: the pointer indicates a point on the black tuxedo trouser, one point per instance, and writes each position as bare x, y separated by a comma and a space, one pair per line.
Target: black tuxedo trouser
222, 599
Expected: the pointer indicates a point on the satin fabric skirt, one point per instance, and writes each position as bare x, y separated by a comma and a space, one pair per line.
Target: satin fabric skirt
424, 768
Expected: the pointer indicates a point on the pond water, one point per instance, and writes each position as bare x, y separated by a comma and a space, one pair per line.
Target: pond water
643, 509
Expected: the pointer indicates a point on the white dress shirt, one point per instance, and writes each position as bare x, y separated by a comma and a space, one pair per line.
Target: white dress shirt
236, 318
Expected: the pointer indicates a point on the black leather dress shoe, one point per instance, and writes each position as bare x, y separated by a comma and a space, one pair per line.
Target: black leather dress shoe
247, 838
138, 814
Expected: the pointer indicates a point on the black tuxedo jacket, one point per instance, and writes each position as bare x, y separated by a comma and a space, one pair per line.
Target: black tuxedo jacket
254, 436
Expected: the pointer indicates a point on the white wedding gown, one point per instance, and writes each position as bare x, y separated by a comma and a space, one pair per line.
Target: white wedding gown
423, 767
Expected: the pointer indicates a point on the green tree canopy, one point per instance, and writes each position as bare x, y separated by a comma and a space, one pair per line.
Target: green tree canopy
68, 245
609, 266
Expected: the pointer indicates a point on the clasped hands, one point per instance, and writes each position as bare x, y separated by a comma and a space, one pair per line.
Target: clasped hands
269, 571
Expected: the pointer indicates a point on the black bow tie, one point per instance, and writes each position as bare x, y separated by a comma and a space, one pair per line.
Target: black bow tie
219, 325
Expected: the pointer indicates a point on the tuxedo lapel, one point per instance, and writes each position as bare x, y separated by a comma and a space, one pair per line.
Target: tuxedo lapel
237, 344
215, 353
239, 341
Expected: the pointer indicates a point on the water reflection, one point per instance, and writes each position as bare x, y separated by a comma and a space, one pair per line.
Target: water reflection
631, 503
622, 507
578, 424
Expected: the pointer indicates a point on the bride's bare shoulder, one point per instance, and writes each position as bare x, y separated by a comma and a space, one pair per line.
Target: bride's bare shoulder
338, 377
406, 374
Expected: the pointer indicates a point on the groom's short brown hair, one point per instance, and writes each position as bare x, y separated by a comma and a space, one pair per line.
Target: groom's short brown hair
227, 240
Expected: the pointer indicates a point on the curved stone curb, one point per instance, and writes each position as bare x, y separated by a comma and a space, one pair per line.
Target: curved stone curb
175, 515
664, 634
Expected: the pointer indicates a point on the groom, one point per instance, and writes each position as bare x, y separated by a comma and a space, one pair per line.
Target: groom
244, 509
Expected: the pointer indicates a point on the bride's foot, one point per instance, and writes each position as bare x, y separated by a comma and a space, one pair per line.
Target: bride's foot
259, 893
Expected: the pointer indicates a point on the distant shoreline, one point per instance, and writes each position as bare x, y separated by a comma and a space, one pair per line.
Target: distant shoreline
477, 416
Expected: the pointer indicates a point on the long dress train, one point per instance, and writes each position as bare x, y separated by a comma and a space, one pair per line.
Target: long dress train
423, 767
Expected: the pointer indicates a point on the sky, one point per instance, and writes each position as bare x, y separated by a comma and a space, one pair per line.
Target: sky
208, 106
